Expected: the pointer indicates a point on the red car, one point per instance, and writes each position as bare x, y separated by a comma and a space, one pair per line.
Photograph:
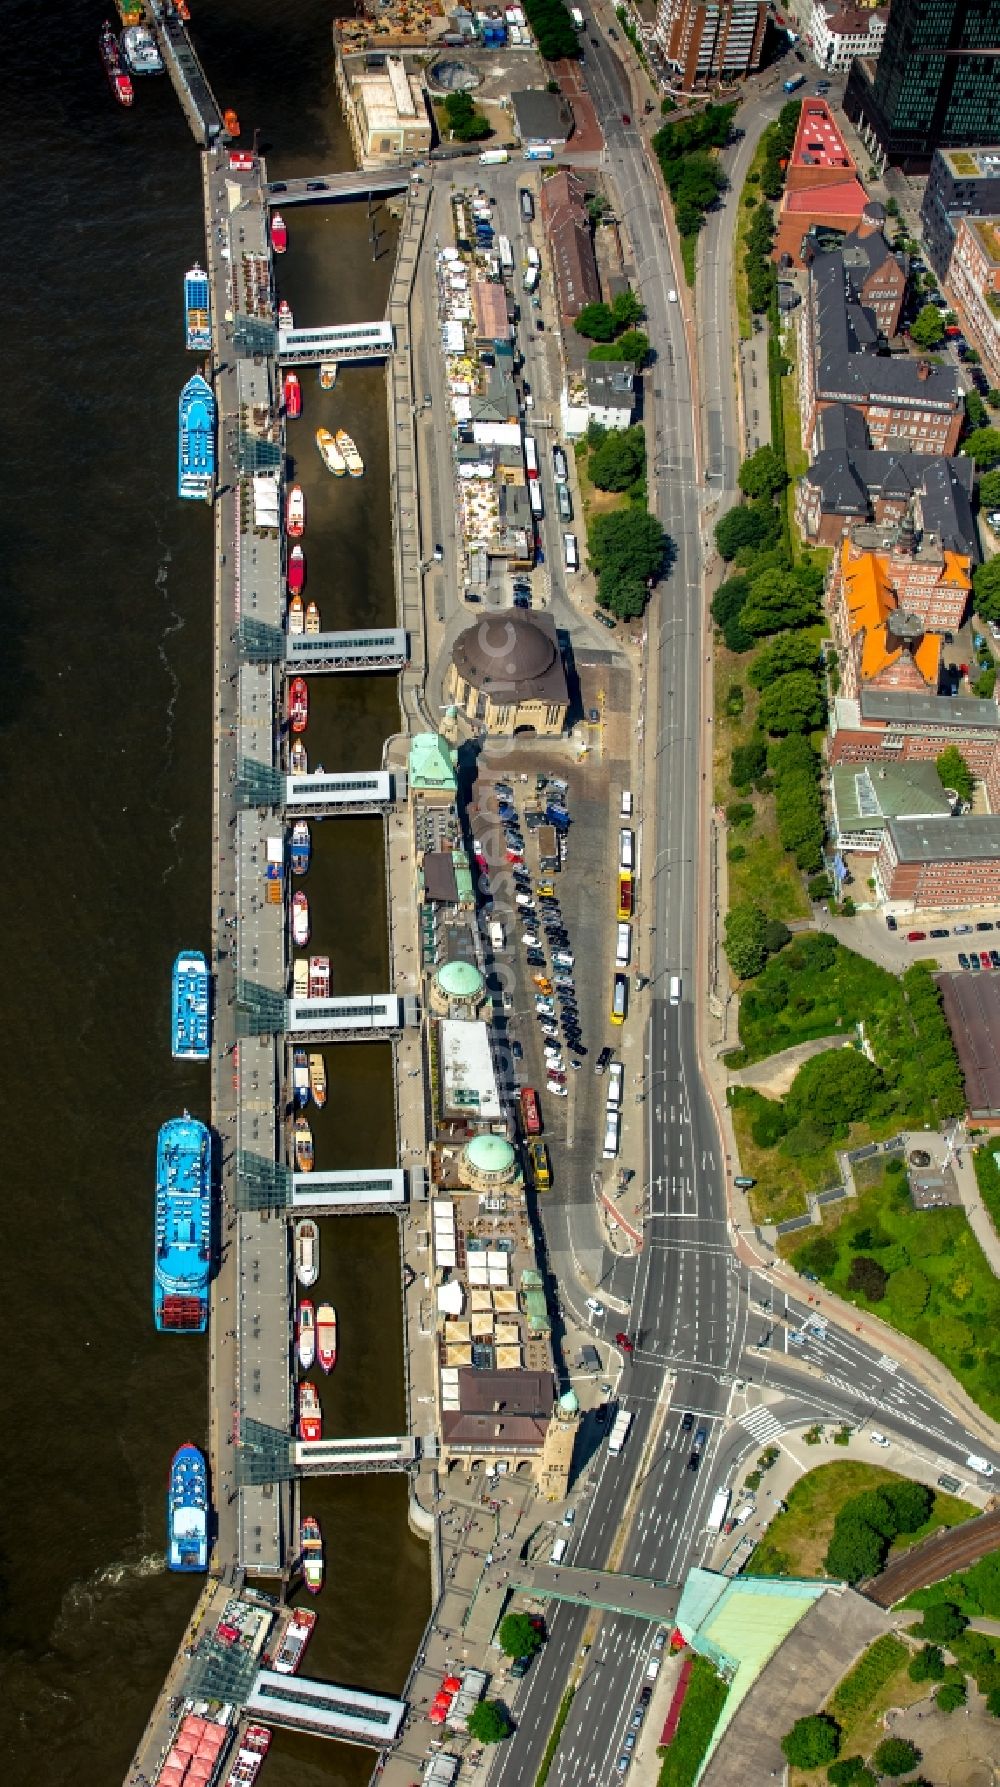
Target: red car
984, 957
627, 1345
915, 936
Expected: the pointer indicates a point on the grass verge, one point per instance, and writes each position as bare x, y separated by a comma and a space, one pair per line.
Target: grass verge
748, 198
703, 1703
940, 1288
554, 1735
759, 869
797, 1539
876, 1666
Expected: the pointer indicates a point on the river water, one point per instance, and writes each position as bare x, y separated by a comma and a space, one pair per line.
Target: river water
105, 704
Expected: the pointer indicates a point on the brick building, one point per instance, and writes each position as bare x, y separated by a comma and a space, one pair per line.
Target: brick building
896, 726
704, 41
849, 483
841, 32
822, 187
567, 227
906, 403
938, 864
974, 283
961, 183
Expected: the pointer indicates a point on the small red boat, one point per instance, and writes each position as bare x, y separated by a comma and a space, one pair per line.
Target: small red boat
295, 512
285, 318
230, 120
121, 86
310, 1413
293, 396
298, 704
296, 570
279, 234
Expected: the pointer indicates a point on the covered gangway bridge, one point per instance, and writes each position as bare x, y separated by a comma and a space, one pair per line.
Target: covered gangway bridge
353, 1192
299, 1704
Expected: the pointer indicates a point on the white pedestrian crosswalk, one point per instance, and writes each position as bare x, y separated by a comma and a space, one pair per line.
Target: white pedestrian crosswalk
761, 1424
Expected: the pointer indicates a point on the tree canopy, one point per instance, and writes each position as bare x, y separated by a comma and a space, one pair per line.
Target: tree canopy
989, 490
790, 651
632, 345
942, 1622
749, 524
619, 459
779, 599
983, 445
691, 172
627, 547
489, 1722
745, 941
763, 474
986, 589
596, 322
518, 1637
896, 1756
955, 772
727, 607
553, 29
927, 327
792, 704
834, 1089
811, 1741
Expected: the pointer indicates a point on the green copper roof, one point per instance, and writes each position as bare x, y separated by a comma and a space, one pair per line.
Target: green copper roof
431, 763
459, 980
490, 1153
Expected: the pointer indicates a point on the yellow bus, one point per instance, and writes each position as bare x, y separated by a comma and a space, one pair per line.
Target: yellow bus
619, 999
541, 1172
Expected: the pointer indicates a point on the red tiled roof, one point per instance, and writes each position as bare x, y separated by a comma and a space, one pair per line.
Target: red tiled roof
847, 198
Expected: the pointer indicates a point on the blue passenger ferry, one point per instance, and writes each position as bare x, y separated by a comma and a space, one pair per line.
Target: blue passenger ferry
196, 440
197, 310
187, 1511
189, 1008
183, 1226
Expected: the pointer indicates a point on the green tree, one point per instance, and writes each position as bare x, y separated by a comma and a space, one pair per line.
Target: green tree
627, 548
983, 446
489, 1723
619, 460
986, 589
793, 704
850, 1771
942, 1622
748, 763
552, 28
779, 599
867, 1276
727, 608
834, 1089
989, 490
811, 1741
518, 1637
745, 940
976, 413
908, 1292
749, 524
927, 329
855, 1550
819, 1256
927, 1665
627, 310
954, 772
763, 474
950, 1696
911, 1503
896, 1756
790, 651
596, 322
632, 346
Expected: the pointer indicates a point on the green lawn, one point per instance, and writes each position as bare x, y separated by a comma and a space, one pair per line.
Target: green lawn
703, 1703
940, 1289
988, 1180
782, 1184
764, 873
796, 1540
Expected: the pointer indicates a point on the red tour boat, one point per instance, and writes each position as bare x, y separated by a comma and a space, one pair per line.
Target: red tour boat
298, 704
279, 234
295, 513
293, 396
296, 570
285, 318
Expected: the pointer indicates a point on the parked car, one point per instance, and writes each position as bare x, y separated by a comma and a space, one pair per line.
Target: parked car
963, 960
916, 936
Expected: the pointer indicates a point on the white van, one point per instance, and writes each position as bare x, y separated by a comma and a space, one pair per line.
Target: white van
570, 553
623, 946
558, 1551
563, 958
612, 1133
626, 848
626, 803
675, 989
616, 1080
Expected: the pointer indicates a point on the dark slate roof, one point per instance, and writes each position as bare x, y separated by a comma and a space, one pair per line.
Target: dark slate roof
849, 481
611, 383
541, 117
907, 707
863, 254
848, 370
842, 425
945, 506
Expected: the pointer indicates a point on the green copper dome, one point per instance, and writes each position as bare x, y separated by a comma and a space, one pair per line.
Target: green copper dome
490, 1154
459, 980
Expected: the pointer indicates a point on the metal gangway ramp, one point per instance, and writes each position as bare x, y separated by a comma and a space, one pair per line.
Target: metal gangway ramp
298, 1704
341, 1458
310, 654
340, 342
199, 104
315, 189
323, 1194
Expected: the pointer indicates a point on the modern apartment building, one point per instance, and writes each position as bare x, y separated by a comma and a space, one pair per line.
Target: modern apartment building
710, 40
934, 84
961, 183
974, 282
840, 32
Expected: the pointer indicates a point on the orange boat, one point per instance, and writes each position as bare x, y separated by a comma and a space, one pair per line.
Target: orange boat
310, 1413
230, 119
298, 704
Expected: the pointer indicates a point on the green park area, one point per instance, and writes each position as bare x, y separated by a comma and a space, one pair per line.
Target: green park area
975, 1591
798, 1539
703, 1703
922, 1271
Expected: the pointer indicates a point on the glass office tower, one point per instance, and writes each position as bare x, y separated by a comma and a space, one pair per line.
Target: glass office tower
936, 82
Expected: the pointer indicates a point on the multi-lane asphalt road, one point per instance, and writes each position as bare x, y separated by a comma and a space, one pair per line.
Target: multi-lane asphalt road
695, 1308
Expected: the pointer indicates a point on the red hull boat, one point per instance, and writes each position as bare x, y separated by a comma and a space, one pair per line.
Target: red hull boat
296, 570
295, 513
298, 704
279, 234
293, 396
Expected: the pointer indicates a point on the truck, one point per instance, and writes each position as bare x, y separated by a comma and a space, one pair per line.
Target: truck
796, 81
535, 499
718, 1511
506, 254
531, 458
619, 1432
498, 936
548, 848
494, 157
275, 870
530, 277
625, 895
536, 152
577, 17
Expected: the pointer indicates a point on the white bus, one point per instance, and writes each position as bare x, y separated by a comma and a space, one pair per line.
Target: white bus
718, 1511
616, 1080
623, 946
570, 553
626, 848
619, 1432
506, 254
535, 499
612, 1133
531, 457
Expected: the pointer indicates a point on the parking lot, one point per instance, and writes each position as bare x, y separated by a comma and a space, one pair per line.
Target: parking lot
585, 888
